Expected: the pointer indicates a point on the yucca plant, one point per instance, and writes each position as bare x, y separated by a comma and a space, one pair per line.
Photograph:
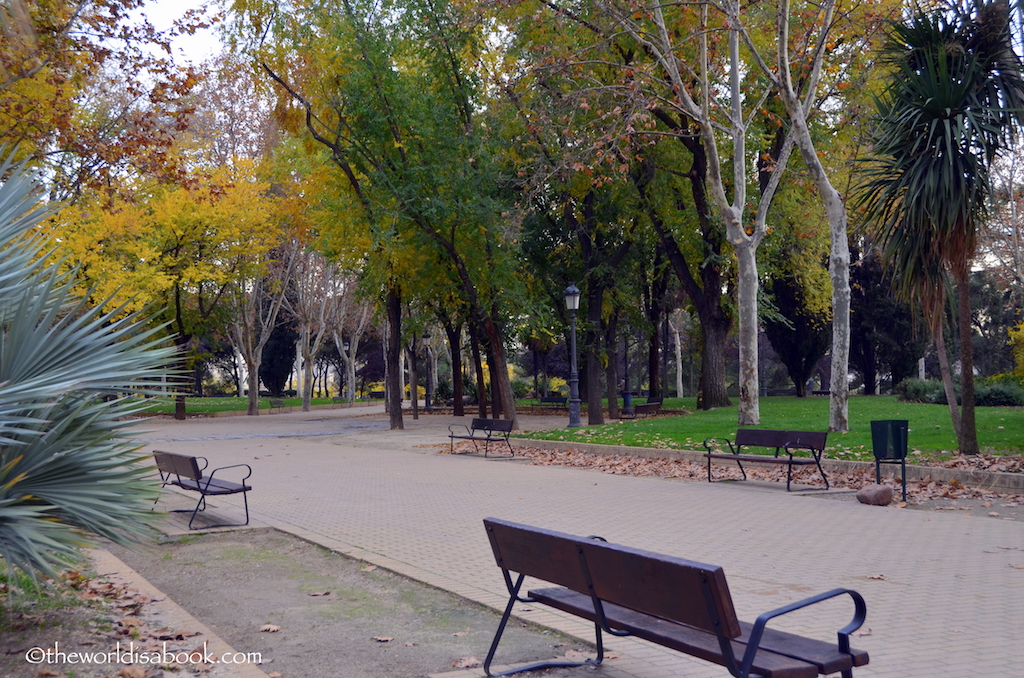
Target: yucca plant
70, 374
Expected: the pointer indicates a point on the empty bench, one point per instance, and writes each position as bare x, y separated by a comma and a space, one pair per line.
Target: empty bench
648, 409
557, 401
675, 603
186, 472
782, 441
486, 431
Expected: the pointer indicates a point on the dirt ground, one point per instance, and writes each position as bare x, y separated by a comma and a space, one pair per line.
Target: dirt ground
337, 616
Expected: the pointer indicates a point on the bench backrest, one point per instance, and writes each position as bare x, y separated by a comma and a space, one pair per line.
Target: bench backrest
680, 590
544, 554
179, 464
766, 437
672, 588
492, 424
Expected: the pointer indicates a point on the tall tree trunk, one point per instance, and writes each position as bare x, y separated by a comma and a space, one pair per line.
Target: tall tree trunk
394, 356
592, 337
492, 367
611, 375
947, 380
481, 389
454, 333
968, 430
749, 409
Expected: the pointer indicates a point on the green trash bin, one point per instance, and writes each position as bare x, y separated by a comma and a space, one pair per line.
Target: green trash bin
889, 444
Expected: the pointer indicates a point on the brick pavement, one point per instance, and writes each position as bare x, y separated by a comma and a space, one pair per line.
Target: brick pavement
945, 592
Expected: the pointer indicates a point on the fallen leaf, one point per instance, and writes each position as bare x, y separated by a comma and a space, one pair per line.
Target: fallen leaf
461, 633
46, 673
270, 628
879, 577
383, 639
611, 655
861, 632
993, 514
319, 593
466, 662
1017, 567
410, 644
369, 568
275, 674
132, 672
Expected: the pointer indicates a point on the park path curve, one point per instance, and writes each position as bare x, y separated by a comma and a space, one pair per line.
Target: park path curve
945, 592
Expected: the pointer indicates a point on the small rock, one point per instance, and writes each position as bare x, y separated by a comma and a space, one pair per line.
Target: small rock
875, 495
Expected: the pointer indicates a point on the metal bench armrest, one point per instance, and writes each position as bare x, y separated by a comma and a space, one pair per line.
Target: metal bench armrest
462, 426
859, 615
209, 478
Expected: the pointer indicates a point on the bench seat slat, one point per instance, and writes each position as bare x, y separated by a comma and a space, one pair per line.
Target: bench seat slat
763, 458
215, 486
824, 655
669, 634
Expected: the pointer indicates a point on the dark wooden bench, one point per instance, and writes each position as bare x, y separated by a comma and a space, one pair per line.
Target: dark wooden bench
782, 441
486, 431
276, 404
647, 409
557, 401
675, 603
185, 472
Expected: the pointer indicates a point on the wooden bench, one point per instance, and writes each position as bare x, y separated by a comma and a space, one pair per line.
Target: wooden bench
557, 401
276, 404
648, 409
782, 441
185, 472
485, 431
675, 603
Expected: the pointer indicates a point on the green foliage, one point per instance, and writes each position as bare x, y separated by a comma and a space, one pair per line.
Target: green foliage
920, 391
67, 374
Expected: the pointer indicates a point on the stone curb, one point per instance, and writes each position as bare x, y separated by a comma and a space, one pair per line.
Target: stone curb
1010, 483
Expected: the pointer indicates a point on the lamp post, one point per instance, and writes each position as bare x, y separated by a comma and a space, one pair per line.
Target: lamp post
429, 406
572, 304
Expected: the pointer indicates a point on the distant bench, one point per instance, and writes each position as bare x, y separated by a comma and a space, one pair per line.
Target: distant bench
485, 431
557, 401
648, 409
782, 441
185, 472
678, 604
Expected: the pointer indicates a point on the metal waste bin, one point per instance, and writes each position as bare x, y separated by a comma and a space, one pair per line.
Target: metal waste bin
889, 445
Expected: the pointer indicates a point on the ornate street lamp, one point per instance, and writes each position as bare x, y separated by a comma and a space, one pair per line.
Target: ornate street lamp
572, 304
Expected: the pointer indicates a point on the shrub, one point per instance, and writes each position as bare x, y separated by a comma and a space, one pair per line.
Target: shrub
920, 391
999, 394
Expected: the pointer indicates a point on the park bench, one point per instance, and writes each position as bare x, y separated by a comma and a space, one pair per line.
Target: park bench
648, 409
485, 431
185, 472
276, 404
557, 401
782, 441
675, 603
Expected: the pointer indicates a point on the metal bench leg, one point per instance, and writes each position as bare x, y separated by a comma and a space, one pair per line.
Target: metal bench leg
512, 599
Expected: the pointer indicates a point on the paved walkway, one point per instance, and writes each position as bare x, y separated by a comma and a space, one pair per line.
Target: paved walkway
945, 593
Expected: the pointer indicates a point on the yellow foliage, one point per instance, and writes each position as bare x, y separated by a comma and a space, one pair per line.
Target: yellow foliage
1017, 348
136, 250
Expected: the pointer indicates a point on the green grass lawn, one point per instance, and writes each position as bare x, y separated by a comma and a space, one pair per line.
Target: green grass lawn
1000, 429
210, 405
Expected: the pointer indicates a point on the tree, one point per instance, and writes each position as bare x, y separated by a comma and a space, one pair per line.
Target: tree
390, 94
70, 374
799, 336
954, 100
87, 89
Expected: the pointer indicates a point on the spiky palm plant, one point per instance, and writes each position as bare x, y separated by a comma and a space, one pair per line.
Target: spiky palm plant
69, 375
954, 101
